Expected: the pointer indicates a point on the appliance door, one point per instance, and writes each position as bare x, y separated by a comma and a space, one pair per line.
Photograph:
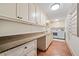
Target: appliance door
58, 35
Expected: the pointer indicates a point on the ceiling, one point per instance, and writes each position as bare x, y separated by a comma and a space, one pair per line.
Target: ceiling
61, 13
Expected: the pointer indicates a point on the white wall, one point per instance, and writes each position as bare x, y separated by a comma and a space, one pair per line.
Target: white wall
57, 24
71, 39
73, 43
14, 28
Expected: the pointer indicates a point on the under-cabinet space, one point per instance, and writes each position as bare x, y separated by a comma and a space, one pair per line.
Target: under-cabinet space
9, 28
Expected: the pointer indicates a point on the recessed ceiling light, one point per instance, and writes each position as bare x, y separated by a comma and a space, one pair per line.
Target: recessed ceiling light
55, 6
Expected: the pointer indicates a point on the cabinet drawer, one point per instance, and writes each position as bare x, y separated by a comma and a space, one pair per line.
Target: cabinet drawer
32, 53
30, 46
15, 52
22, 50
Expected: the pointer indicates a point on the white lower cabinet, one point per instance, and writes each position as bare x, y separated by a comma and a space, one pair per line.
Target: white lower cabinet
2, 54
31, 49
32, 53
49, 39
15, 52
28, 49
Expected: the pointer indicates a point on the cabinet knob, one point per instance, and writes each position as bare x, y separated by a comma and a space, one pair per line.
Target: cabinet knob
25, 47
19, 17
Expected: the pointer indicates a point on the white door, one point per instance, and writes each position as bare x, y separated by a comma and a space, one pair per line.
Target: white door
8, 10
22, 11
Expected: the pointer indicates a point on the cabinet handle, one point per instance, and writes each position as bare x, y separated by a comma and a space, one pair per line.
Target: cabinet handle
19, 17
25, 47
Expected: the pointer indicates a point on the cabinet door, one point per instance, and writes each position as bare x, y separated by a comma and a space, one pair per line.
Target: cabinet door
31, 49
43, 19
22, 11
38, 15
32, 13
48, 39
8, 10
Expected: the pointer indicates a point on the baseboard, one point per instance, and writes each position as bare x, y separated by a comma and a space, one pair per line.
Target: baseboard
71, 50
59, 40
41, 50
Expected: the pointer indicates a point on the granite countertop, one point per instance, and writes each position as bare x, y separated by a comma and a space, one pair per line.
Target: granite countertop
13, 41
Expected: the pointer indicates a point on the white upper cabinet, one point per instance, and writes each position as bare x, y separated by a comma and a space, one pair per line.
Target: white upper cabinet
22, 11
38, 15
43, 18
8, 10
32, 14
